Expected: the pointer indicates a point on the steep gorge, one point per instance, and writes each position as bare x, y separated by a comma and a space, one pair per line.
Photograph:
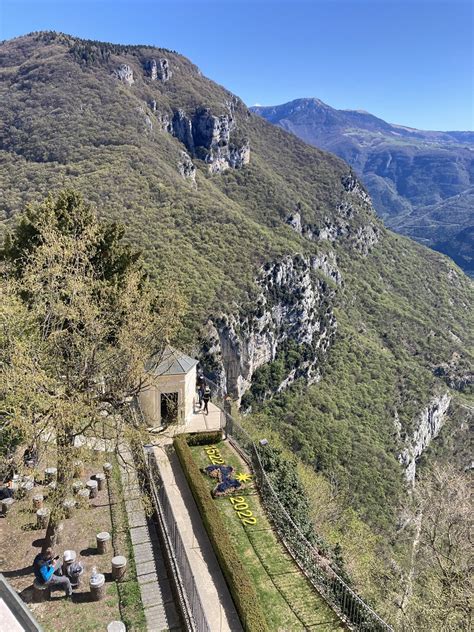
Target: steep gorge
336, 334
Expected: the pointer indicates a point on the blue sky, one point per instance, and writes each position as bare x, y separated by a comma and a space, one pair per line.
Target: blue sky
407, 61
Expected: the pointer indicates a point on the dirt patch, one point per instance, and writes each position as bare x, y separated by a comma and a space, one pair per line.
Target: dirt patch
20, 541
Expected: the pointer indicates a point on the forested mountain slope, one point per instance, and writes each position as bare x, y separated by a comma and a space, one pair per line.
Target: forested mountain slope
421, 182
348, 344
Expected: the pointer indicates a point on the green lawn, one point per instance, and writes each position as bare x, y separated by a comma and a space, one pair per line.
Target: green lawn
287, 598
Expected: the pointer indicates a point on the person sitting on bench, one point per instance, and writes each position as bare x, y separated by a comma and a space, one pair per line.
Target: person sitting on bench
47, 571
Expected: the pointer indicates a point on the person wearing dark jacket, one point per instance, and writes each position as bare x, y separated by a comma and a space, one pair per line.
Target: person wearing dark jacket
206, 398
200, 384
47, 569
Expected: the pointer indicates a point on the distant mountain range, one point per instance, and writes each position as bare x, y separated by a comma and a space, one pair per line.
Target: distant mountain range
421, 182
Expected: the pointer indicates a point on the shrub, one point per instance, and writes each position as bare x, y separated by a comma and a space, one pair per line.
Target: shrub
204, 438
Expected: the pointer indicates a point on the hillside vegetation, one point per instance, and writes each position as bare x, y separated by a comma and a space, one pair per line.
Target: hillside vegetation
404, 313
421, 182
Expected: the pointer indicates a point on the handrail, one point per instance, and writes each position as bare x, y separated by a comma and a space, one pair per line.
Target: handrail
351, 609
190, 601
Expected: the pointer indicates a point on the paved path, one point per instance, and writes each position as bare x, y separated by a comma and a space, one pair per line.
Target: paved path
155, 588
210, 583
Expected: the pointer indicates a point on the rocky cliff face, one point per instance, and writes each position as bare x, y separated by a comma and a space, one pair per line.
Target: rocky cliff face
429, 424
294, 307
340, 224
186, 168
158, 70
124, 73
208, 137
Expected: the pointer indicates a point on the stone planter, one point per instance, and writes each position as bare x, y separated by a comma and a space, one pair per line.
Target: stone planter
38, 501
7, 505
93, 488
83, 496
119, 566
100, 478
97, 587
103, 540
77, 486
69, 505
41, 592
42, 516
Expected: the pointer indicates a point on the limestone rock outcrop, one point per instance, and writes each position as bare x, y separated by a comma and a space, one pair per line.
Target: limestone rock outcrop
294, 221
164, 122
429, 424
158, 70
340, 225
186, 168
208, 137
124, 73
294, 306
182, 128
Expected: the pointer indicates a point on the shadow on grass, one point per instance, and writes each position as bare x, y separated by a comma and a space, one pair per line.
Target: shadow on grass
83, 597
89, 552
26, 594
19, 572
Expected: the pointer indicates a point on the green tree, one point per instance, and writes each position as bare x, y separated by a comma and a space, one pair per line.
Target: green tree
80, 321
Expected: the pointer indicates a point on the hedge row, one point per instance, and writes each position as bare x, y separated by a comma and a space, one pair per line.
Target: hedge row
238, 580
204, 438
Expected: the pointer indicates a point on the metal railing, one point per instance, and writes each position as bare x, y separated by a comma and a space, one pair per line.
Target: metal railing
189, 597
355, 613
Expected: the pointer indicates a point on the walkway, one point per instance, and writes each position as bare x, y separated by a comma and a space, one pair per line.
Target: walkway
155, 588
210, 583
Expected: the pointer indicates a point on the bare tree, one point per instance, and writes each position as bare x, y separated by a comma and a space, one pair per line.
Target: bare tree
442, 587
80, 320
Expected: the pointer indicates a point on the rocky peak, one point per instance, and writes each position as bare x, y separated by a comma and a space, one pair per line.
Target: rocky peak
124, 73
339, 225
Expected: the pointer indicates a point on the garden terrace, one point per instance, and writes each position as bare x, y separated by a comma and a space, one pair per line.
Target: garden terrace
284, 596
106, 512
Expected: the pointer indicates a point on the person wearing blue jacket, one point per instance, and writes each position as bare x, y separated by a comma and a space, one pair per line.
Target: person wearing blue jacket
47, 569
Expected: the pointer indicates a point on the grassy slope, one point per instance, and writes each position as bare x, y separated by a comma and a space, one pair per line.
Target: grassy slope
402, 309
286, 597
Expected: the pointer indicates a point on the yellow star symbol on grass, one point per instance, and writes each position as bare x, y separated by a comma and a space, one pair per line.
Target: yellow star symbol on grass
242, 477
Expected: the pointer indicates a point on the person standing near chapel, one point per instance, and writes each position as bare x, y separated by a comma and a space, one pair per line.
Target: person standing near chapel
200, 384
206, 398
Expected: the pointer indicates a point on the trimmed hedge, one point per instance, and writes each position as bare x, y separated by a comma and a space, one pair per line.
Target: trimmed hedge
238, 580
204, 438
